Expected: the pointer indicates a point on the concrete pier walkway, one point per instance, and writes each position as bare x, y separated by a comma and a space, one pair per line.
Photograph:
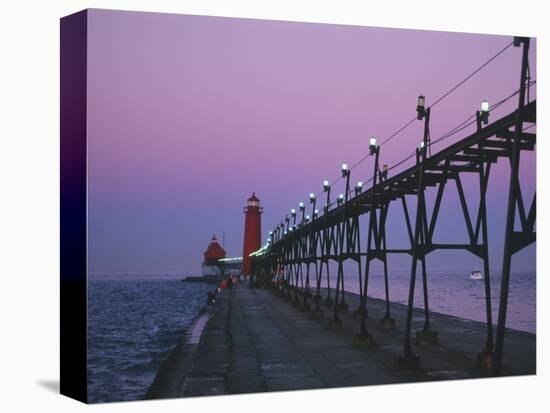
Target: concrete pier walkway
256, 341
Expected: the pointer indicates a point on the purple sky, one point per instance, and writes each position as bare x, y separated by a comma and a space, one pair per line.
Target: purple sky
189, 115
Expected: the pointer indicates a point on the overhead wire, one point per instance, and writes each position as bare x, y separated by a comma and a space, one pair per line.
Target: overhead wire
472, 74
437, 101
460, 127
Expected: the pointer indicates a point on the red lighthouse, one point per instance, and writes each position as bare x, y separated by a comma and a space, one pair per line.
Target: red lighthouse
252, 230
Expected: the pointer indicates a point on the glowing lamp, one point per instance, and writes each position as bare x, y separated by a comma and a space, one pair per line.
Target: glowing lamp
345, 169
372, 145
484, 112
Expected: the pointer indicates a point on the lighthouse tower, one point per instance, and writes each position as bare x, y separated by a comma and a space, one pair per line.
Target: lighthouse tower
252, 230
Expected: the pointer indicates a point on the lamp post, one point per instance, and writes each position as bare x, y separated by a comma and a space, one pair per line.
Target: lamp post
292, 270
306, 291
423, 113
302, 209
286, 233
346, 174
364, 335
509, 239
482, 116
358, 188
298, 274
409, 360
485, 111
313, 250
336, 322
372, 145
301, 254
313, 201
326, 189
422, 154
374, 151
420, 107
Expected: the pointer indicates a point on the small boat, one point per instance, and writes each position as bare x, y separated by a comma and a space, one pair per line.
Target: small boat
476, 275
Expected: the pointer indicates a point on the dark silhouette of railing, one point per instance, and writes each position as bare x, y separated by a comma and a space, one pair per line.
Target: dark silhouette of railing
335, 234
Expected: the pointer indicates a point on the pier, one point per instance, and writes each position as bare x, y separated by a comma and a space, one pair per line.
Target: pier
302, 329
255, 340
302, 246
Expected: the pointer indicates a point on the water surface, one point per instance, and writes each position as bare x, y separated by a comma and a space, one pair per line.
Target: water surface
134, 322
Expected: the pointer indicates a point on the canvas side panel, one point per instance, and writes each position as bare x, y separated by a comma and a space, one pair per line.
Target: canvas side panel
73, 266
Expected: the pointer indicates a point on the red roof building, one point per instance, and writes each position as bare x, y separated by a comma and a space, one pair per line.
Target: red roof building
252, 230
214, 252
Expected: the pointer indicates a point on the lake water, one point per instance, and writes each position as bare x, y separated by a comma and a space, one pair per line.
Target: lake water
134, 322
453, 292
